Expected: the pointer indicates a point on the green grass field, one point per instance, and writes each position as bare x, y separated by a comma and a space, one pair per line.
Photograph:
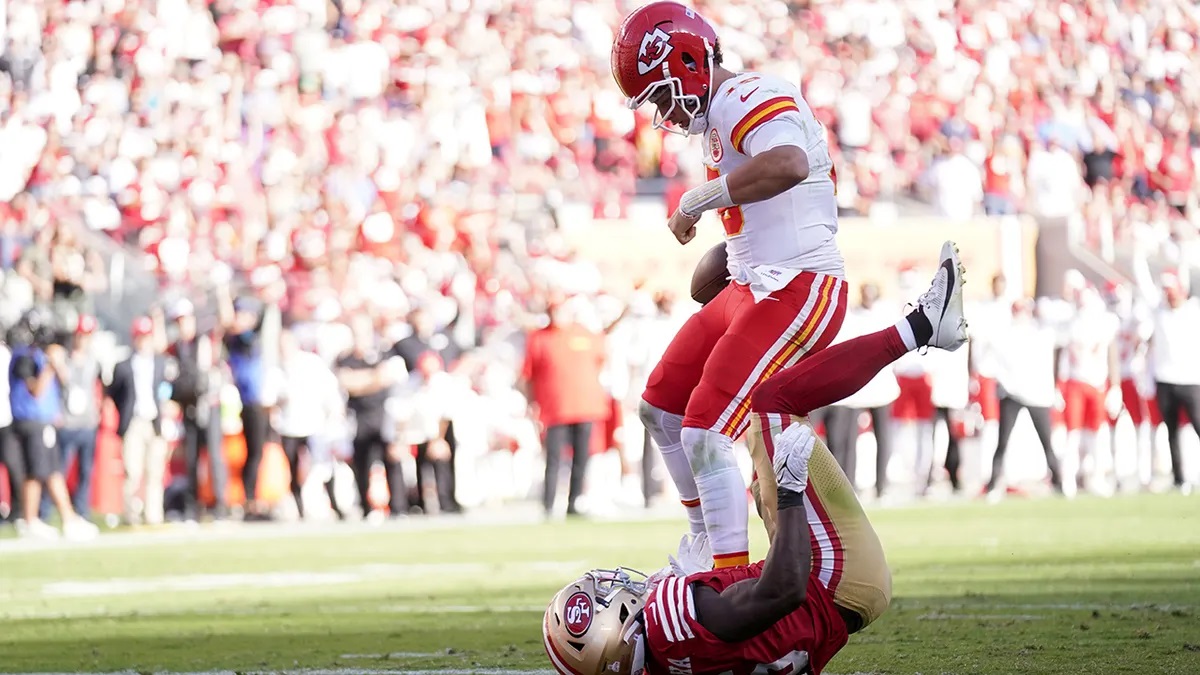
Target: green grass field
1090, 586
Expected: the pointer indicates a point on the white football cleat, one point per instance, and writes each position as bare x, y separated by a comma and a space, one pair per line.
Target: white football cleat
942, 304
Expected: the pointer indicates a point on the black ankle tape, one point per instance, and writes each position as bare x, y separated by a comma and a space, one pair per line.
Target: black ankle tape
790, 498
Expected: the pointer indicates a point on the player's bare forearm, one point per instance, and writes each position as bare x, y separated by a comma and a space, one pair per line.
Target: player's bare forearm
768, 174
750, 607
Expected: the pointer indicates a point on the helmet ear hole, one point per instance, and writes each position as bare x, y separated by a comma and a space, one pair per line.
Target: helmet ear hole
578, 646
624, 614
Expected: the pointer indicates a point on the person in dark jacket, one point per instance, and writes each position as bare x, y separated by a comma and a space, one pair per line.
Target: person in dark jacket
242, 321
139, 388
198, 399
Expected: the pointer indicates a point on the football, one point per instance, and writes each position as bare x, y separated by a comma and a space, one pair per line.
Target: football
711, 275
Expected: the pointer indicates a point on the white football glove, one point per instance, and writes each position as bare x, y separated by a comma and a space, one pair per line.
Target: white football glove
793, 448
694, 555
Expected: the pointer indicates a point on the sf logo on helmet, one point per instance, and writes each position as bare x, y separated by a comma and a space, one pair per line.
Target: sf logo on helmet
577, 613
654, 50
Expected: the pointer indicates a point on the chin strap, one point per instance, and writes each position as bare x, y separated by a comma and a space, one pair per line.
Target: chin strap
636, 636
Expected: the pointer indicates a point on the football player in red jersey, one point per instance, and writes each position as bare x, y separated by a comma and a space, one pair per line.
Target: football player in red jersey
825, 575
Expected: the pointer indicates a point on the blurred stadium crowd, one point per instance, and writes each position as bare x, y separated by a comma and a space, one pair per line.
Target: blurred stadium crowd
376, 182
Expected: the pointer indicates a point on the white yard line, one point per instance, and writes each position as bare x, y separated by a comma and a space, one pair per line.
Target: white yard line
292, 579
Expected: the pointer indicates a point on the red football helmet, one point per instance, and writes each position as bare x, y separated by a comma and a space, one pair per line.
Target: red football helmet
665, 49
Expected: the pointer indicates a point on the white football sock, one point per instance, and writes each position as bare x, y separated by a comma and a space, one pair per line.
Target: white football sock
722, 494
665, 429
906, 334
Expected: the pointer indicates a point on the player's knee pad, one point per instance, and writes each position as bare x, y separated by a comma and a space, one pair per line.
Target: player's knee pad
708, 451
664, 427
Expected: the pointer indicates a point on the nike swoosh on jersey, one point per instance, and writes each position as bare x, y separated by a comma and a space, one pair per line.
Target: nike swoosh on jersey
749, 95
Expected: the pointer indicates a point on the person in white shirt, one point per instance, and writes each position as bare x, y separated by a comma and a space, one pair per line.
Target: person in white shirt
429, 407
1174, 358
956, 184
1055, 181
306, 403
1137, 377
1090, 391
1025, 356
988, 319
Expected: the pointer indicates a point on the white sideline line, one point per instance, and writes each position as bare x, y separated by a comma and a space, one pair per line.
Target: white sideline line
397, 655
459, 609
292, 579
940, 616
1071, 606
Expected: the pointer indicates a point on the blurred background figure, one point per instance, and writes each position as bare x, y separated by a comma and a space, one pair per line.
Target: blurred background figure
1177, 367
424, 339
950, 392
561, 374
195, 390
1091, 390
242, 320
302, 408
1024, 352
35, 398
431, 399
1136, 326
368, 375
139, 388
988, 319
79, 379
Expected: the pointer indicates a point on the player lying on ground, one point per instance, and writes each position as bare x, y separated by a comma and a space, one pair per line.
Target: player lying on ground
825, 575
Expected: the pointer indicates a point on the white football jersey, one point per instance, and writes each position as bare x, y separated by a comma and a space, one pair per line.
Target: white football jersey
795, 230
988, 318
1133, 346
1091, 335
950, 378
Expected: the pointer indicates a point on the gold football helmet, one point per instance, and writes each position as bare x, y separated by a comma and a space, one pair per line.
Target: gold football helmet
593, 626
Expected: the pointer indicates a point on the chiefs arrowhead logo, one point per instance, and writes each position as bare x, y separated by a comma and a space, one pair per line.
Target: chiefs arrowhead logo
714, 145
654, 50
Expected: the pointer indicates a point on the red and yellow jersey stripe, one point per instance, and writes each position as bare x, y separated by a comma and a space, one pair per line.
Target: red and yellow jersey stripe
761, 114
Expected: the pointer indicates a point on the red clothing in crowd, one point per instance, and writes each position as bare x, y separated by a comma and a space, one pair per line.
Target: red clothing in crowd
562, 367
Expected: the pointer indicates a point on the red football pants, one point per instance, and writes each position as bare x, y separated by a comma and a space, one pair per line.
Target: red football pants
829, 376
725, 350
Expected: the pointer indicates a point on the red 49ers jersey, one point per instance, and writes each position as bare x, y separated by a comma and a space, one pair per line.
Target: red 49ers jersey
794, 229
678, 645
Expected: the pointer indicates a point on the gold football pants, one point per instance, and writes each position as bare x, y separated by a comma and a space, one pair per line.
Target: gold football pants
846, 554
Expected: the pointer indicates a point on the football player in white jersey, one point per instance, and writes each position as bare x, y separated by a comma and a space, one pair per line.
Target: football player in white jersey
1090, 390
988, 319
1137, 380
772, 183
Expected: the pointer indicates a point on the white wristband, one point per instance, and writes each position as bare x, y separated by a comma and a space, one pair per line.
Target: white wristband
712, 195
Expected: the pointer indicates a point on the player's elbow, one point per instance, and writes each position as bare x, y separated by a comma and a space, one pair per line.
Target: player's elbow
793, 164
792, 597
